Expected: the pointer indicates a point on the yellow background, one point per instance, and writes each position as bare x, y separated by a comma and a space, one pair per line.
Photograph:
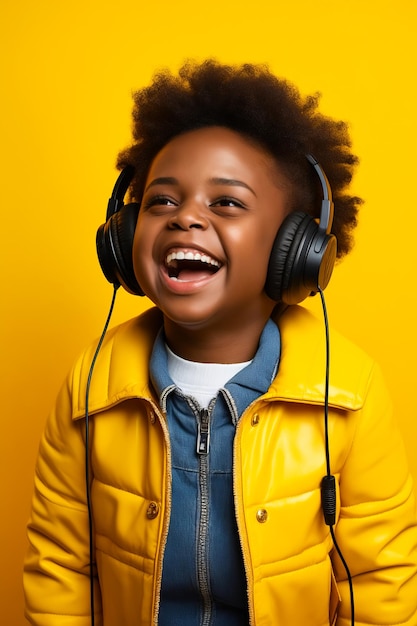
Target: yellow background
68, 69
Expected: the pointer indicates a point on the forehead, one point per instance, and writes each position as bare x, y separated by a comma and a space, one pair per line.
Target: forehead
217, 149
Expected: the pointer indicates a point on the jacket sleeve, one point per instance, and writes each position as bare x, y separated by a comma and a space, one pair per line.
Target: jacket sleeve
377, 528
56, 569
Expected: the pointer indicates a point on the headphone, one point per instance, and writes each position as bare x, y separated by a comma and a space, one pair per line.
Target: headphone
301, 261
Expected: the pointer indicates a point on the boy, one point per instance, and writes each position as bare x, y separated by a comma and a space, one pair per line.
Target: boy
207, 437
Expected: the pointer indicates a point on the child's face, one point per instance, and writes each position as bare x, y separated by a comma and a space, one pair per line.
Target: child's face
212, 205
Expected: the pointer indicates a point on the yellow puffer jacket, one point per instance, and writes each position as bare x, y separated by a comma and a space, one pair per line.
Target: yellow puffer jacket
293, 573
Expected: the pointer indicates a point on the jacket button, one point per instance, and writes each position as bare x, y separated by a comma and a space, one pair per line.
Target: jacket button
262, 515
255, 419
153, 510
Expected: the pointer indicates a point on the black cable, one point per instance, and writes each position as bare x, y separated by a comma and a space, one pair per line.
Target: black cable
87, 454
328, 485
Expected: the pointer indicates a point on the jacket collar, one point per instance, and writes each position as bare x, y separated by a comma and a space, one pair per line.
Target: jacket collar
122, 367
302, 371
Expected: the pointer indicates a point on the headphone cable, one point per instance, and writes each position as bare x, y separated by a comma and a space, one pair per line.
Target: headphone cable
87, 454
328, 485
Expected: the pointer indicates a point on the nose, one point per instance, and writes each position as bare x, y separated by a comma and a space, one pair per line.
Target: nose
188, 215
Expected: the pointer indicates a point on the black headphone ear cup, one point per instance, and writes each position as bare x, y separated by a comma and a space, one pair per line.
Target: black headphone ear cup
284, 251
115, 248
301, 260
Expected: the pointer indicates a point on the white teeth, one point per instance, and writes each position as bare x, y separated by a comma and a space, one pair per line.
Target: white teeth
191, 256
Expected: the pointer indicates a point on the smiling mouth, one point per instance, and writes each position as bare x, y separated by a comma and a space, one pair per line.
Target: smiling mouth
187, 265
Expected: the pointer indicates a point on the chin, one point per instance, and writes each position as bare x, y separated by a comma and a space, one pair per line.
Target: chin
191, 320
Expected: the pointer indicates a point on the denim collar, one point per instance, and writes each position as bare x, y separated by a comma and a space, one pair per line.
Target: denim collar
247, 385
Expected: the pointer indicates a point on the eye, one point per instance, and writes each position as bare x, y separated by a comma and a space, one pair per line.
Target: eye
227, 201
227, 204
158, 203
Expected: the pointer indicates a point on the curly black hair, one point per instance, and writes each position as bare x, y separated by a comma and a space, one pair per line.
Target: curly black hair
270, 111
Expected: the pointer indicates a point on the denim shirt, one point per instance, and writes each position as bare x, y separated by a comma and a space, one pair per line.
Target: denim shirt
203, 578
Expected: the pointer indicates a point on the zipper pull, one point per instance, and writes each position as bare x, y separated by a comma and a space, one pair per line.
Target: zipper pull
203, 436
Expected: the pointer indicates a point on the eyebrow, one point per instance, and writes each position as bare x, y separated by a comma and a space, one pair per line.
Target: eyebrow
163, 180
232, 182
170, 180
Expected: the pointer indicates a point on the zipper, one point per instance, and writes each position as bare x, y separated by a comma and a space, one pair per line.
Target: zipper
239, 510
203, 449
202, 547
167, 513
203, 432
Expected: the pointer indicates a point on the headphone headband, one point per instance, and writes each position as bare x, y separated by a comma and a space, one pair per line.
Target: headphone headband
327, 207
116, 200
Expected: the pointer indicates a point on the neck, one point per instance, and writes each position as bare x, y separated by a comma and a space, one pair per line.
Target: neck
213, 344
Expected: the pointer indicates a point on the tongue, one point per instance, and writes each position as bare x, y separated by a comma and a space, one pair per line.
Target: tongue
190, 275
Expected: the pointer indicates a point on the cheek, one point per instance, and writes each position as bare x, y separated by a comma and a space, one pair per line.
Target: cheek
142, 255
254, 244
260, 253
